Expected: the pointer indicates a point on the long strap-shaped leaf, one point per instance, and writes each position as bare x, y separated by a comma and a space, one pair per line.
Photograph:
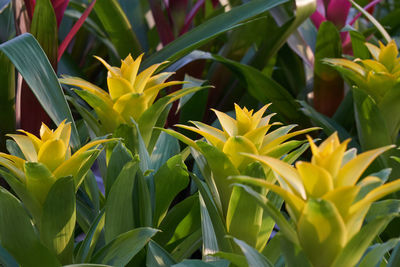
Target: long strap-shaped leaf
210, 29
30, 60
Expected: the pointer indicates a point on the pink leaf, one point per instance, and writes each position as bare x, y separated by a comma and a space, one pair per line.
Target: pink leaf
74, 30
59, 9
337, 12
317, 18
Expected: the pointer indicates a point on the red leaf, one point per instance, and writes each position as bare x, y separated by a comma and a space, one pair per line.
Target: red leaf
317, 18
74, 30
30, 7
59, 9
337, 12
162, 24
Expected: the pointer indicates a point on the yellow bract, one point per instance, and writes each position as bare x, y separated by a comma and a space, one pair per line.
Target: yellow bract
376, 76
53, 153
247, 133
130, 92
321, 196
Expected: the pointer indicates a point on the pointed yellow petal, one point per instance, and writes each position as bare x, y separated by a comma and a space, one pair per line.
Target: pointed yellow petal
63, 132
227, 122
130, 68
52, 153
45, 133
243, 121
38, 180
316, 180
143, 78
131, 106
373, 65
12, 167
388, 55
283, 138
16, 161
36, 141
347, 64
258, 116
211, 130
158, 79
265, 120
26, 146
214, 140
118, 86
374, 50
152, 92
257, 135
236, 145
295, 203
342, 198
85, 85
351, 171
112, 70
285, 171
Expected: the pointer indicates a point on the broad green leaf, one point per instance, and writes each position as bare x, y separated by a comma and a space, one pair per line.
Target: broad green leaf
383, 208
394, 257
118, 27
39, 180
371, 127
124, 247
44, 29
119, 208
234, 258
214, 225
157, 256
88, 244
17, 231
170, 179
165, 148
253, 257
356, 247
58, 220
6, 259
143, 201
188, 246
92, 190
221, 168
292, 253
210, 29
119, 157
377, 253
41, 78
360, 50
181, 220
390, 111
266, 90
87, 265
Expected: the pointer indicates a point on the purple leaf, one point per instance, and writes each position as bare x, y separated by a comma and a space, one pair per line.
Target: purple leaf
337, 12
189, 18
30, 7
74, 30
59, 9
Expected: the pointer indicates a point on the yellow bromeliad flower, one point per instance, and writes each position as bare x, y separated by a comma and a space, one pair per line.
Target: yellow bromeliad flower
46, 159
321, 196
130, 93
376, 76
247, 133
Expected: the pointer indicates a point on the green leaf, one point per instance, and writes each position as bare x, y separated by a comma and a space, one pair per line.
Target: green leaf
199, 263
118, 27
165, 148
58, 219
188, 246
88, 244
119, 207
292, 253
158, 257
360, 50
371, 127
39, 180
119, 157
124, 247
356, 247
41, 78
143, 201
6, 259
383, 208
170, 179
210, 29
17, 231
266, 90
221, 168
236, 259
394, 257
253, 257
87, 265
44, 29
377, 253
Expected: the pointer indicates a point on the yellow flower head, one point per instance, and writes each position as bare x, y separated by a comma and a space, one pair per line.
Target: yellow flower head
247, 133
321, 195
46, 158
130, 93
376, 76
